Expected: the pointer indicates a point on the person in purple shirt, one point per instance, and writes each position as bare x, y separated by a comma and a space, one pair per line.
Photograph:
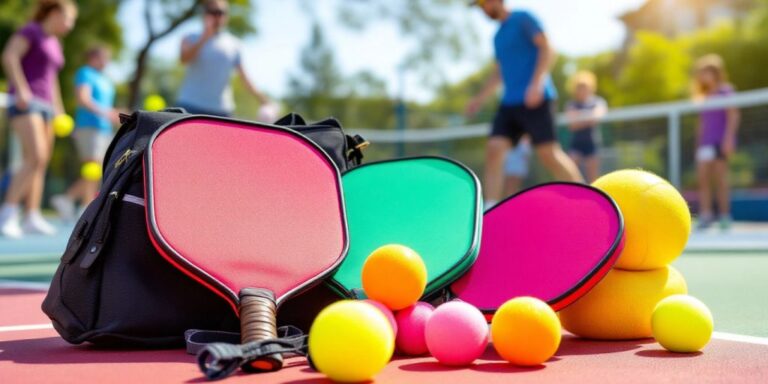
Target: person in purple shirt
32, 60
715, 141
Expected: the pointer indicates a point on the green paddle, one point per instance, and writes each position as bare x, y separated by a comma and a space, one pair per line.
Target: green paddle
429, 204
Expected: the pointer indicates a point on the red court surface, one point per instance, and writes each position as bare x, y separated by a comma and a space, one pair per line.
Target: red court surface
32, 352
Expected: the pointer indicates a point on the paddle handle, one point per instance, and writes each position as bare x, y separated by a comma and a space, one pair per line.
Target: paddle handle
258, 322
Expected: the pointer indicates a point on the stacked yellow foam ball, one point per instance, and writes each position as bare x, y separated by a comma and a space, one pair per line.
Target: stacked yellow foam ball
657, 224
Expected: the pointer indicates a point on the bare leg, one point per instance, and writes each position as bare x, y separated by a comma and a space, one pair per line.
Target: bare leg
592, 168
35, 196
704, 170
722, 186
496, 152
558, 163
512, 185
30, 129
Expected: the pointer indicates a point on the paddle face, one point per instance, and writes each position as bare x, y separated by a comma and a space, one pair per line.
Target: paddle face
553, 242
429, 204
238, 206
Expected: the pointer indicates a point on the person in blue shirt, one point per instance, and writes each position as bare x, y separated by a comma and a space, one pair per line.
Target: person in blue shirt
94, 119
523, 60
211, 57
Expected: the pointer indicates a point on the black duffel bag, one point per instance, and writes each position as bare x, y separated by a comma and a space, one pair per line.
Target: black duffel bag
112, 288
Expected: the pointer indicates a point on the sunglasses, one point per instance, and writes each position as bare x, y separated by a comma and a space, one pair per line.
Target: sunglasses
216, 12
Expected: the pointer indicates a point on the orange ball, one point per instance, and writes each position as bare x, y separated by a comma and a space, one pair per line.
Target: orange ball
525, 331
395, 276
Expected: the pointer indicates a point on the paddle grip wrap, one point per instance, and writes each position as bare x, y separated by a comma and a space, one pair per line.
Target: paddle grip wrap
258, 313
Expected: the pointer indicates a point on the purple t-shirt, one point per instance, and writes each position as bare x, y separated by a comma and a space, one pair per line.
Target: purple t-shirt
713, 122
42, 62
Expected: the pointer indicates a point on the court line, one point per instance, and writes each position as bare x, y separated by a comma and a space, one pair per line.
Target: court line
28, 327
11, 284
740, 338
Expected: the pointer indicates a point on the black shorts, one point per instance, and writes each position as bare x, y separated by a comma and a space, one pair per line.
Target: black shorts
583, 147
516, 120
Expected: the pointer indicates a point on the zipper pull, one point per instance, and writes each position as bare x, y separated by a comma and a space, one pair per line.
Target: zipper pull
100, 233
123, 158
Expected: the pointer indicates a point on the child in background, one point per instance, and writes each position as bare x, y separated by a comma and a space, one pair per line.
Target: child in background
586, 107
93, 127
715, 141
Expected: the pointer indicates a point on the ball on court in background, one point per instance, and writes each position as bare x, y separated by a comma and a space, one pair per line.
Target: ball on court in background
154, 102
682, 323
456, 333
656, 217
620, 306
351, 341
386, 312
63, 125
411, 323
395, 276
91, 171
269, 112
525, 331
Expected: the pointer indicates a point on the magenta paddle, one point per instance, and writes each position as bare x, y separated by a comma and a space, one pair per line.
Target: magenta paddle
554, 242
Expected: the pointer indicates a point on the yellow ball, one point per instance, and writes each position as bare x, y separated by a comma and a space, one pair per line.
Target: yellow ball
63, 125
154, 102
395, 276
656, 217
525, 331
91, 171
682, 323
351, 341
620, 306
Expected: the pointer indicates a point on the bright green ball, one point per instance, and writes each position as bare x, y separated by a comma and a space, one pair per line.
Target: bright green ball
682, 323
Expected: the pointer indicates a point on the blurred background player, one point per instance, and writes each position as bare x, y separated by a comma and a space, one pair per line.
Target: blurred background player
94, 119
517, 166
32, 59
715, 141
585, 109
523, 60
210, 57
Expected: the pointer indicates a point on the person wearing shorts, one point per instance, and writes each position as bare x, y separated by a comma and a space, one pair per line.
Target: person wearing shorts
715, 142
517, 166
94, 119
583, 112
523, 60
32, 59
210, 57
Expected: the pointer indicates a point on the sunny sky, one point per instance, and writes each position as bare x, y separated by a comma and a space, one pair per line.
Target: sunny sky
576, 27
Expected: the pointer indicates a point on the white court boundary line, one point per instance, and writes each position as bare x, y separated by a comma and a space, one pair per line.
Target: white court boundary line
740, 338
28, 327
32, 286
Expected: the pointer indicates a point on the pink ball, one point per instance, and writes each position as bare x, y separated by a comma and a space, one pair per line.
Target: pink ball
456, 333
386, 311
411, 322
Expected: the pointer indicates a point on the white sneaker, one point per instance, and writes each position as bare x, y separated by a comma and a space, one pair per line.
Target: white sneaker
34, 223
64, 206
9, 222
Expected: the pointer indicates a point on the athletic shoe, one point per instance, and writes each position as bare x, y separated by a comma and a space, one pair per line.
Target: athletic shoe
9, 222
64, 206
34, 223
705, 221
725, 222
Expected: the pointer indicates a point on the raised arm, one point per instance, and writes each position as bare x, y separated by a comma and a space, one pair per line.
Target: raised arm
14, 50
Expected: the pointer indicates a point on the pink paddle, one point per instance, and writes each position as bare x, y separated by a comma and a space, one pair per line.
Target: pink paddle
253, 212
553, 242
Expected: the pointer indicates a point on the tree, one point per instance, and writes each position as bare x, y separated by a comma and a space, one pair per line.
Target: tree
165, 16
439, 31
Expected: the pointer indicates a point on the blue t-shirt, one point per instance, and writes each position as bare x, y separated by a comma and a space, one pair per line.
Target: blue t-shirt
517, 55
206, 83
102, 94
